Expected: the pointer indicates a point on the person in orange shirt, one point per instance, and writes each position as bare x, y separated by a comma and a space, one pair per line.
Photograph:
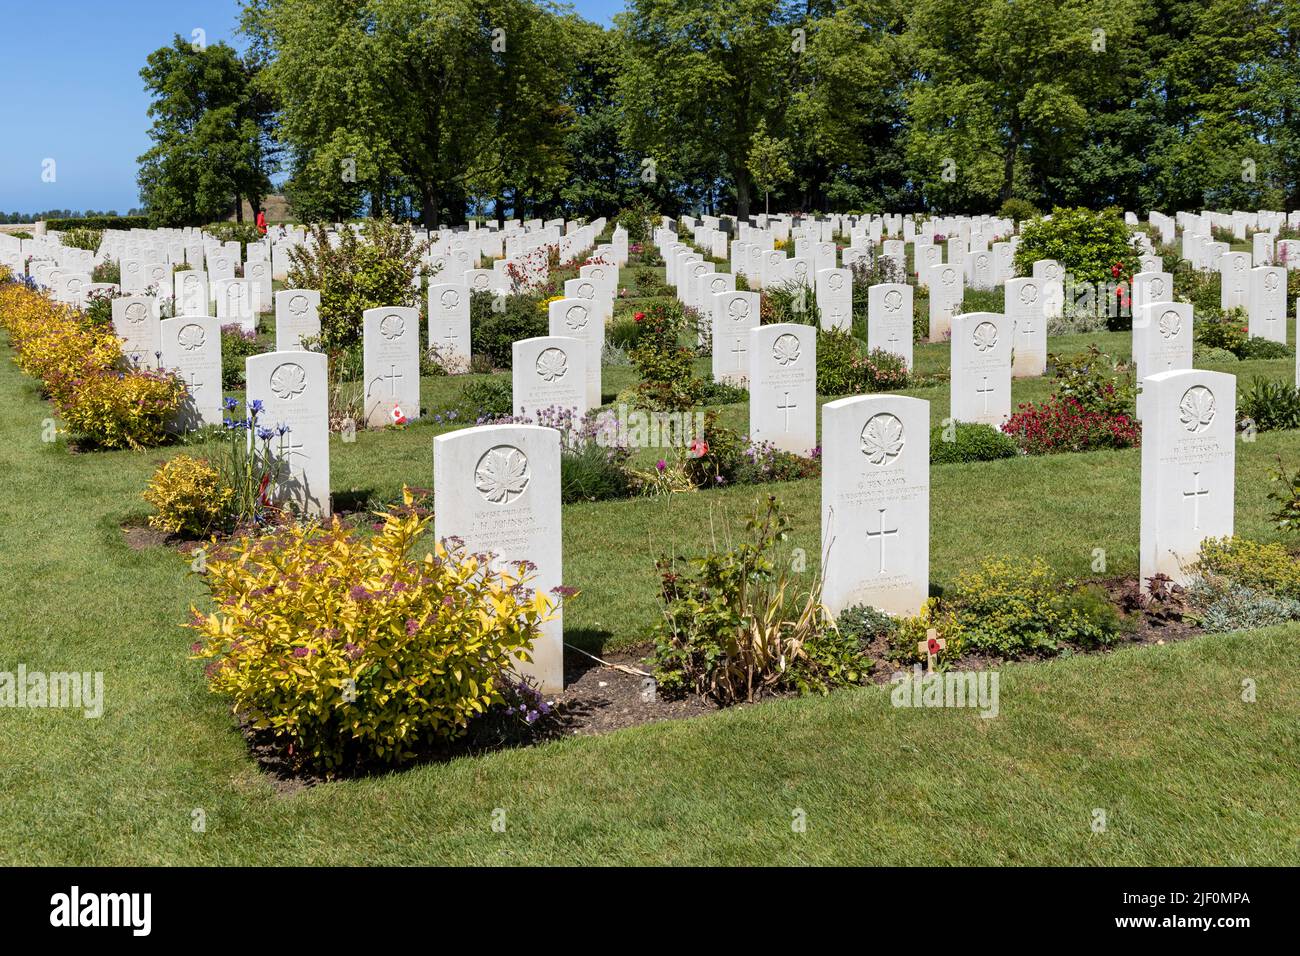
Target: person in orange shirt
261, 222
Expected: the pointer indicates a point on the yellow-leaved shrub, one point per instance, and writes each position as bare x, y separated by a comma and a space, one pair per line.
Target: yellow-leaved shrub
189, 497
349, 647
84, 373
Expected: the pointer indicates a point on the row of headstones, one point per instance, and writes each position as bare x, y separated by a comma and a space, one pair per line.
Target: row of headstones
497, 487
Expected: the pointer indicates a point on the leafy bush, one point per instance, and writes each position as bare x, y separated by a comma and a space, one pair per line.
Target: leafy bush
1221, 605
734, 630
1287, 496
1261, 348
347, 646
82, 238
1018, 210
189, 497
866, 624
240, 232
1088, 244
837, 356
237, 345
482, 398
592, 472
135, 409
969, 441
369, 271
666, 367
1212, 356
1262, 567
1270, 404
1013, 609
97, 222
789, 302
1095, 381
881, 371
108, 271
82, 370
1065, 425
493, 332
637, 220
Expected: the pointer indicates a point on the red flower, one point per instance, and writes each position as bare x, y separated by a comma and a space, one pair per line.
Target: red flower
932, 645
638, 317
698, 448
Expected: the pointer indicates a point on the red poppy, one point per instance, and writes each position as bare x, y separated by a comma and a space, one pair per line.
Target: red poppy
698, 448
638, 317
932, 645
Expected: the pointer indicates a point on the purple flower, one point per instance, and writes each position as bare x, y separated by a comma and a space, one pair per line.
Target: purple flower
661, 464
412, 627
300, 652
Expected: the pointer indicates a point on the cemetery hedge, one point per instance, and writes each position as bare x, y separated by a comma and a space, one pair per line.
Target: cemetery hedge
98, 223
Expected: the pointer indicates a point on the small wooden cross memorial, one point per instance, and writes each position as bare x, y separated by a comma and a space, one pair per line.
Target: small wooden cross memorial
931, 647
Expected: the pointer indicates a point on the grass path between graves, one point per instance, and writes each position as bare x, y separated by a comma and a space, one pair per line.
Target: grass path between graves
1157, 737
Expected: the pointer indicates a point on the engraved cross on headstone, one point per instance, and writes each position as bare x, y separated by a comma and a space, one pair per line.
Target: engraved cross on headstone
786, 408
1196, 494
985, 392
738, 349
882, 534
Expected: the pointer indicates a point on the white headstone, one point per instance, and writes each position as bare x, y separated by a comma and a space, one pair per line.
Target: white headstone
876, 503
391, 351
294, 390
135, 320
497, 489
1188, 467
889, 319
1026, 308
297, 317
734, 314
579, 319
1267, 305
981, 368
549, 372
835, 298
783, 386
449, 327
1162, 338
191, 347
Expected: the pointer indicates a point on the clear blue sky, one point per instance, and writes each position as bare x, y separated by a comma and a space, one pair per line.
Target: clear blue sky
79, 101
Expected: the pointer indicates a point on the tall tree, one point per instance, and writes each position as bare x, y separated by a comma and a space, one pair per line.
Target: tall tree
697, 77
211, 135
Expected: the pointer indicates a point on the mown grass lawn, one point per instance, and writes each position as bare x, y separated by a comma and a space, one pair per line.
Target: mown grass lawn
1157, 737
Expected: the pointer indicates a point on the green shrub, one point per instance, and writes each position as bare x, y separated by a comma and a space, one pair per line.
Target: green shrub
369, 271
1014, 609
1019, 210
346, 646
97, 222
237, 344
1210, 356
1262, 567
487, 397
866, 624
1270, 404
837, 355
789, 302
969, 441
734, 629
494, 331
622, 333
591, 472
666, 367
87, 239
107, 271
1088, 244
1287, 495
1261, 348
638, 220
1095, 381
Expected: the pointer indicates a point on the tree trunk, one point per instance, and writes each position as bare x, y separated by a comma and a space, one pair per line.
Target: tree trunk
239, 208
428, 207
742, 194
1009, 166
